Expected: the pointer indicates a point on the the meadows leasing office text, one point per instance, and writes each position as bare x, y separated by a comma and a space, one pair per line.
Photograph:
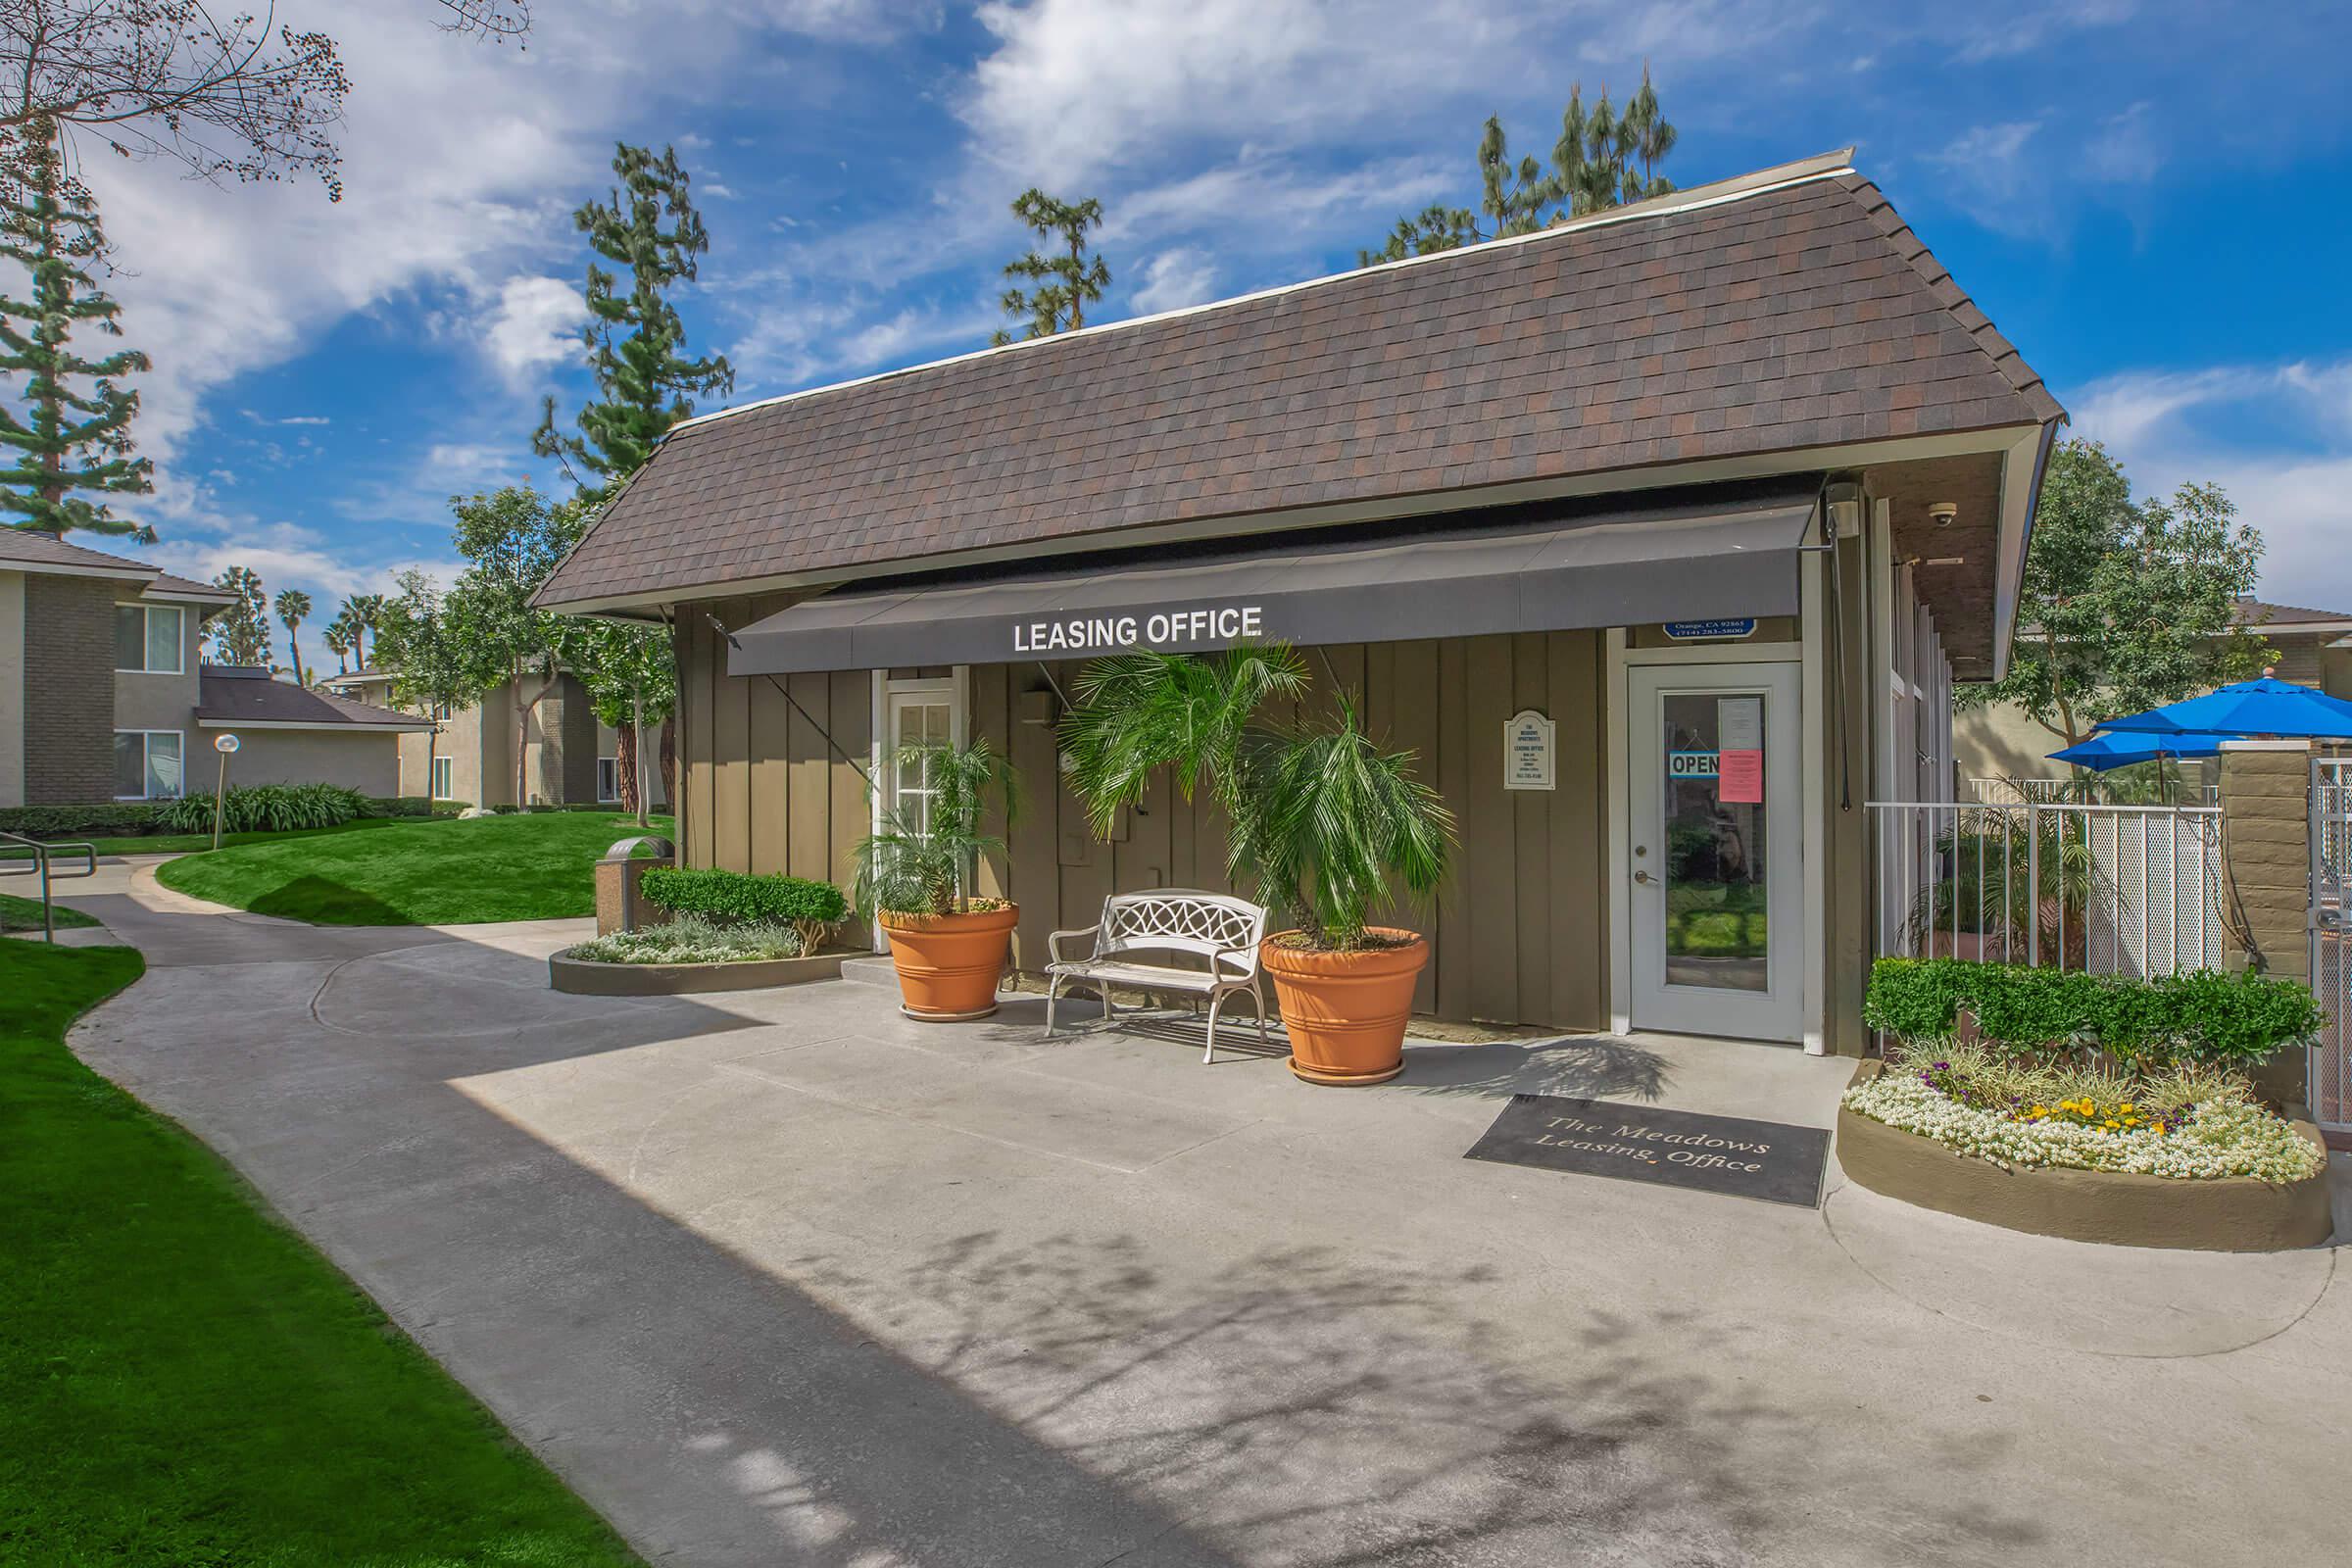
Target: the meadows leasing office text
1625, 528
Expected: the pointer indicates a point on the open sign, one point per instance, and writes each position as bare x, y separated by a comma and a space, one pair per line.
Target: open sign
1694, 765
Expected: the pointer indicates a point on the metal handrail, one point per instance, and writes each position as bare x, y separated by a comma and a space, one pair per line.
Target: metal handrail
12, 846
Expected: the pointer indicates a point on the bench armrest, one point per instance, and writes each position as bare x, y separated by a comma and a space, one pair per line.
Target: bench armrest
1053, 942
1246, 959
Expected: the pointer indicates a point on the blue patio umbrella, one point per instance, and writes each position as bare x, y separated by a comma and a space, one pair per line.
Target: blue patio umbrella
2265, 706
2106, 749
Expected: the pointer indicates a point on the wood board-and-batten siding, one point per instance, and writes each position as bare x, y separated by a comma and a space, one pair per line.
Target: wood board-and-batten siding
1519, 934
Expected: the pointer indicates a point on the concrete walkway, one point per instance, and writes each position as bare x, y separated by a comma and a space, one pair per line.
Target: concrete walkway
786, 1279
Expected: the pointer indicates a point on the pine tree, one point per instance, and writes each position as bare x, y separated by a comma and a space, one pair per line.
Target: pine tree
69, 433
241, 632
293, 608
1603, 159
635, 340
1078, 278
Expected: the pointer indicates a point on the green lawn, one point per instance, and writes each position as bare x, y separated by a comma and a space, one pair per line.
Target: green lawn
185, 1382
526, 866
24, 914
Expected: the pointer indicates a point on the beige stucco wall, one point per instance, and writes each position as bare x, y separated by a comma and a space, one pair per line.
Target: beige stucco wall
12, 688
144, 701
369, 763
2001, 741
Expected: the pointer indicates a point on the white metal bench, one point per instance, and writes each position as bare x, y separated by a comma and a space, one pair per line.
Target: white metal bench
1214, 926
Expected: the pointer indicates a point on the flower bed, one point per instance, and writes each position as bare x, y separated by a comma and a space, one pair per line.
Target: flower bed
2100, 1108
693, 939
2221, 1133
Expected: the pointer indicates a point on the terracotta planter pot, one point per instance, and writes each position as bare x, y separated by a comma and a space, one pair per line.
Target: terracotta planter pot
1346, 1012
948, 965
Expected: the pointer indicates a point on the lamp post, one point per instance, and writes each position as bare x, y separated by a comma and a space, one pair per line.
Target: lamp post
226, 745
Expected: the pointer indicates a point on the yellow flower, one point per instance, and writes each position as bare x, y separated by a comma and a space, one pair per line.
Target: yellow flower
2131, 1121
2160, 1126
2112, 1123
2037, 1111
2127, 1107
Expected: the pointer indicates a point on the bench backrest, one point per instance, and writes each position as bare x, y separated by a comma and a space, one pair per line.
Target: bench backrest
1183, 921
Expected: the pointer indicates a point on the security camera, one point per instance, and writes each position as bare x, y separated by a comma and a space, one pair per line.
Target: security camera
1944, 514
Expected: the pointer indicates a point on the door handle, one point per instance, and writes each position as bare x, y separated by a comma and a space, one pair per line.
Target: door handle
1641, 876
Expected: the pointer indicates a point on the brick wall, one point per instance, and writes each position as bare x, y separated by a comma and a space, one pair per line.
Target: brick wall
2266, 840
68, 690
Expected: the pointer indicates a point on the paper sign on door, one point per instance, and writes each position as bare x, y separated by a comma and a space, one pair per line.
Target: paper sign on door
1742, 779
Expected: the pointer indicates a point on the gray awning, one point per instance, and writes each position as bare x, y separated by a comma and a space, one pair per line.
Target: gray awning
1685, 555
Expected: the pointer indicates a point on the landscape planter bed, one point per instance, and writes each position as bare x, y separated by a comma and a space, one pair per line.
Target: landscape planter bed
585, 977
2228, 1214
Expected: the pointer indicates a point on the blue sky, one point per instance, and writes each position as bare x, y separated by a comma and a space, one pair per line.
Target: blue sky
2150, 200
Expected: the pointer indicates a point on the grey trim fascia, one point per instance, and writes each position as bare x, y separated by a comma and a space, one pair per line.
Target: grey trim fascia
351, 726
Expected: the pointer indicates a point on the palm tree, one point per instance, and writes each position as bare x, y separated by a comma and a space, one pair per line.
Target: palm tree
1322, 817
368, 614
924, 861
342, 636
293, 605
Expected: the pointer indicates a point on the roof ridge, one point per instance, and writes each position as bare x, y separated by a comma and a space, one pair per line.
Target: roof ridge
1904, 240
1715, 193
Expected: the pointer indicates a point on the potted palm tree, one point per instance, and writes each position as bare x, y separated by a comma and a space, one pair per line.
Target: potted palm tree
1324, 823
916, 875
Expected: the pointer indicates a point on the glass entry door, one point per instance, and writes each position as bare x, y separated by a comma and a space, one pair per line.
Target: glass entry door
1717, 910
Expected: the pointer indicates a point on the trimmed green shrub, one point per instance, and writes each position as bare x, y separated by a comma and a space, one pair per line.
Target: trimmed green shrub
408, 806
106, 819
266, 808
811, 908
2235, 1020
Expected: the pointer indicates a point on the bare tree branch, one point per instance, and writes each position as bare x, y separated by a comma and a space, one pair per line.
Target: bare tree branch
231, 96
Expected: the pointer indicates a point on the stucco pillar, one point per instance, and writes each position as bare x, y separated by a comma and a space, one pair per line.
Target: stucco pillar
2266, 849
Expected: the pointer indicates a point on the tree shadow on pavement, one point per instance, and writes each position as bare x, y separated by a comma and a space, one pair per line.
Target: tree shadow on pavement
1305, 1406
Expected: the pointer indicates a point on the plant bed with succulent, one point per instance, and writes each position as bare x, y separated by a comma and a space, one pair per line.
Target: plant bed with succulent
1327, 824
2099, 1107
917, 873
719, 930
692, 953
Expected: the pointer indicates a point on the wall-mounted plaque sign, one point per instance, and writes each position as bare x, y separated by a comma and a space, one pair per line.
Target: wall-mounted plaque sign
1685, 631
1528, 753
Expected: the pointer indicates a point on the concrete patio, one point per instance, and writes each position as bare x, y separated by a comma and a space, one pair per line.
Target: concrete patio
784, 1278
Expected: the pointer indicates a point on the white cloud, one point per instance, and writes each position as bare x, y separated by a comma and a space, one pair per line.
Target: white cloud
306, 418
531, 324
2276, 438
1175, 279
2125, 149
1074, 88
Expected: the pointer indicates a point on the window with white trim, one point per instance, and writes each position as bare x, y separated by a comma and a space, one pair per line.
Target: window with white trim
607, 778
147, 764
147, 639
442, 787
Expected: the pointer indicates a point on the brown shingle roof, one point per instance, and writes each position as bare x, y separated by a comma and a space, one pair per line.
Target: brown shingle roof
19, 546
227, 697
2285, 617
22, 547
1787, 318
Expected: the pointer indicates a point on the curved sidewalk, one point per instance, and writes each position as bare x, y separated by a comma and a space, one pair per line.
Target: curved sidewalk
784, 1278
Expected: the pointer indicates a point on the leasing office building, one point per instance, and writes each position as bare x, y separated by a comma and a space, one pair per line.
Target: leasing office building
1659, 536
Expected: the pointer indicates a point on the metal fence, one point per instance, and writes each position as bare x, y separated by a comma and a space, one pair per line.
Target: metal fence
2331, 1082
2134, 890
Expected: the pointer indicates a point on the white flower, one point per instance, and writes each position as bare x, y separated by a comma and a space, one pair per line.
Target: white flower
2224, 1138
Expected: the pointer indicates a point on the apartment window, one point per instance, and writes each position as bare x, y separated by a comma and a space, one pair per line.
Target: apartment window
147, 764
441, 780
147, 637
607, 778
